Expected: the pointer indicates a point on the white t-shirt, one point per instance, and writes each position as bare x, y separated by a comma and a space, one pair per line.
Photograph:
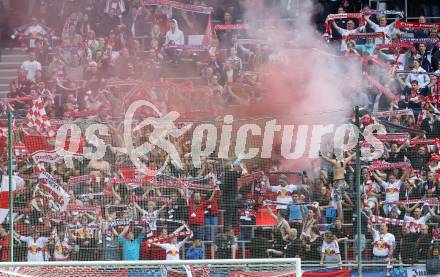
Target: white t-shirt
35, 248
368, 187
31, 68
177, 37
423, 79
284, 195
172, 250
389, 31
330, 249
35, 30
382, 244
392, 191
421, 220
152, 216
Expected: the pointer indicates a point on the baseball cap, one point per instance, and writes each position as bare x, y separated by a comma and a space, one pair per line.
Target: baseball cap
283, 178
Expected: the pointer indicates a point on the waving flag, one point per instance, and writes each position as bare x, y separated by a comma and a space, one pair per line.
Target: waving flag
37, 118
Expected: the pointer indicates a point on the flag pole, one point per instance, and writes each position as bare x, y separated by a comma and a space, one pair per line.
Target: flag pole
11, 190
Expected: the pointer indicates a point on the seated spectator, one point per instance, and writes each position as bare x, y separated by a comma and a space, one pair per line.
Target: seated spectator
71, 37
195, 252
174, 36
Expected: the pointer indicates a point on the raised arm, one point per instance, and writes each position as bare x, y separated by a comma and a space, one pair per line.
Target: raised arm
325, 158
349, 158
378, 179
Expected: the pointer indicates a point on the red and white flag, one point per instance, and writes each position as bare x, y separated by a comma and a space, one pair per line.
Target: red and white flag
4, 194
37, 118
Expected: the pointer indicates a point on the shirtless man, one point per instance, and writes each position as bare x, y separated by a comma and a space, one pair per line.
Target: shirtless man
339, 184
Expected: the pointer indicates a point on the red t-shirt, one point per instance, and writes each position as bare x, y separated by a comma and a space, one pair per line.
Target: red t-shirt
212, 207
197, 212
4, 243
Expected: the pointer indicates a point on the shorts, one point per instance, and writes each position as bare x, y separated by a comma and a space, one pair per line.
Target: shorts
339, 186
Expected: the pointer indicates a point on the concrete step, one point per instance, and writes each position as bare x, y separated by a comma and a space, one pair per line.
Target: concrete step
4, 87
18, 58
10, 72
10, 65
6, 79
13, 51
4, 94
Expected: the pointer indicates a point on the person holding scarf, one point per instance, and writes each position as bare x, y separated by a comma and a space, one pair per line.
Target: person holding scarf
346, 32
388, 30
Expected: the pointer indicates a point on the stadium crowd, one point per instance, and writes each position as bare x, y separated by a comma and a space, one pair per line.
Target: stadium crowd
82, 62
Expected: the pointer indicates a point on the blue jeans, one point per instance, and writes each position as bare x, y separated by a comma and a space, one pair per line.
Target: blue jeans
209, 221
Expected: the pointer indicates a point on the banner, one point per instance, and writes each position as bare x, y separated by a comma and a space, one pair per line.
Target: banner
393, 113
51, 156
393, 137
52, 191
415, 25
420, 40
179, 6
388, 166
221, 27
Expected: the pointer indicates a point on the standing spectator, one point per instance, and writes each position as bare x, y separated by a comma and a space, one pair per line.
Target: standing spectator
330, 250
31, 66
424, 57
392, 189
341, 236
225, 246
388, 30
229, 192
4, 244
195, 252
339, 183
197, 208
346, 32
177, 210
423, 243
284, 195
418, 218
235, 60
150, 214
408, 245
75, 71
36, 246
211, 216
384, 243
130, 245
173, 248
